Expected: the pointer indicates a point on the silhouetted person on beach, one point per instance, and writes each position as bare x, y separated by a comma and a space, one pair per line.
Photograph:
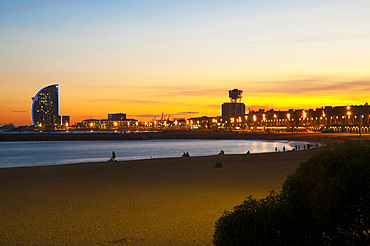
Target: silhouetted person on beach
186, 154
113, 157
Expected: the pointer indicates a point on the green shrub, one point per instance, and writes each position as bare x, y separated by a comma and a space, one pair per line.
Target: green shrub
326, 202
251, 223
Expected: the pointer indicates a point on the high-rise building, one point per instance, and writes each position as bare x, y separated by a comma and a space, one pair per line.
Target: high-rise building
45, 106
233, 110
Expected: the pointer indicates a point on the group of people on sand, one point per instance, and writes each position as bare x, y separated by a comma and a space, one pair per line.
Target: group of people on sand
186, 154
298, 147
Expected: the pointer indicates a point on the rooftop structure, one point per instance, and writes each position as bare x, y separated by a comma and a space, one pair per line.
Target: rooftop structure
235, 95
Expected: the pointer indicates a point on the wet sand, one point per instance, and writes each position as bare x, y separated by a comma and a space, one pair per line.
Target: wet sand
173, 201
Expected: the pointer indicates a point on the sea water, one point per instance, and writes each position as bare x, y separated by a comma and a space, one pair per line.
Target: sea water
42, 153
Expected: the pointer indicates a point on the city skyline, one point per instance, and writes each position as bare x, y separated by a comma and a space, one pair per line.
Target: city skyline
179, 58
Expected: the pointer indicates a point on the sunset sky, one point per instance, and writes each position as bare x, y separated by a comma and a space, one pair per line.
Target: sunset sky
143, 58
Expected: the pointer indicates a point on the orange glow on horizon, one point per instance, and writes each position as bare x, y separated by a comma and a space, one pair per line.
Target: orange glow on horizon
93, 104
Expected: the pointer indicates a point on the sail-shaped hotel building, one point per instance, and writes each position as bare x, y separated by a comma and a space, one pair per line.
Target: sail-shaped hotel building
45, 107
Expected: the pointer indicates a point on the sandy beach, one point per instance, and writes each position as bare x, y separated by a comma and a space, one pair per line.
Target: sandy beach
173, 201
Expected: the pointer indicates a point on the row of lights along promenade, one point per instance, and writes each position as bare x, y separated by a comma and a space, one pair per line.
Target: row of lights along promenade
349, 119
341, 119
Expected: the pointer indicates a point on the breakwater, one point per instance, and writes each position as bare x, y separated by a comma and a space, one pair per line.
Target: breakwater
324, 138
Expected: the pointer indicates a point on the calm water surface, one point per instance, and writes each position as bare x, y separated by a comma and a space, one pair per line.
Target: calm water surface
41, 153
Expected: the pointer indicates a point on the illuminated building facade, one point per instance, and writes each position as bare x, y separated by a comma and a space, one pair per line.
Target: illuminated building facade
114, 122
338, 119
45, 106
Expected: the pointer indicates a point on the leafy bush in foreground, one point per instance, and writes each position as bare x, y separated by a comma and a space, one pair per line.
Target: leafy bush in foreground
251, 223
326, 202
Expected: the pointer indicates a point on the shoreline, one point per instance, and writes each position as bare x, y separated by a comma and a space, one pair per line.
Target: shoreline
142, 151
324, 140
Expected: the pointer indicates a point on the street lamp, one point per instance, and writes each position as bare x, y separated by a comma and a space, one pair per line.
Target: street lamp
360, 126
288, 117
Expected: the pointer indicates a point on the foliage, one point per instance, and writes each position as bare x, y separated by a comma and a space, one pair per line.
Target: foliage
251, 223
326, 202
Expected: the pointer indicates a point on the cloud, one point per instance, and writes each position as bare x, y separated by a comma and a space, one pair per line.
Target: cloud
175, 91
118, 100
89, 117
145, 115
310, 86
182, 91
185, 113
165, 115
257, 107
214, 106
194, 92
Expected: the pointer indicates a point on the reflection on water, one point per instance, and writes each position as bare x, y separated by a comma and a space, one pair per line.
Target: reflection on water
34, 153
